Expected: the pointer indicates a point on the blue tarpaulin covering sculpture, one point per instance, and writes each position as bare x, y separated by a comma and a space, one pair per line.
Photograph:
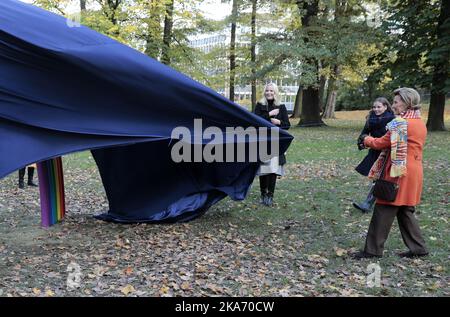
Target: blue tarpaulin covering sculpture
66, 89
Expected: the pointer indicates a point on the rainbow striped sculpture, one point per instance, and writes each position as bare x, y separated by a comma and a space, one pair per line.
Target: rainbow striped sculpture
51, 188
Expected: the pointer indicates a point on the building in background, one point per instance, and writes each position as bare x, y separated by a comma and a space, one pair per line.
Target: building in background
220, 41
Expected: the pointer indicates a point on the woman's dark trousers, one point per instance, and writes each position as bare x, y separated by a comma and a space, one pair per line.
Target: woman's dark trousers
381, 223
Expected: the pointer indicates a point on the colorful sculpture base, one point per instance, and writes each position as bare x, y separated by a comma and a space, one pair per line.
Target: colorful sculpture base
51, 188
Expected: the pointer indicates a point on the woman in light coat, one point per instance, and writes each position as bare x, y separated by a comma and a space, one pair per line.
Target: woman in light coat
270, 108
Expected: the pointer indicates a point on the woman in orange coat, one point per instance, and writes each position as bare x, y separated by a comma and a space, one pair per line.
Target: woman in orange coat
403, 147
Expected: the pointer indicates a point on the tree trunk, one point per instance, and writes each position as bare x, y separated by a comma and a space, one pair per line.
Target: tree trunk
167, 35
233, 48
311, 7
253, 54
83, 5
322, 95
441, 71
331, 103
111, 13
298, 103
435, 120
332, 94
310, 113
328, 113
152, 48
310, 116
370, 90
113, 5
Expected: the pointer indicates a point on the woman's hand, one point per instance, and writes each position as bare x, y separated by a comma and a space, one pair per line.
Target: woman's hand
274, 112
360, 142
275, 121
364, 138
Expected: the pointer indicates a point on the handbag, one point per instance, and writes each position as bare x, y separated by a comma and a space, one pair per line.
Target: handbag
383, 189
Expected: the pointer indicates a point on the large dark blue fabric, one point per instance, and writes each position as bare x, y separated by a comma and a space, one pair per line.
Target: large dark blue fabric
66, 89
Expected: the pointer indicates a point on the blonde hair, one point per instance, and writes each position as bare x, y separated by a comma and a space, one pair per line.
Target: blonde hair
409, 96
276, 95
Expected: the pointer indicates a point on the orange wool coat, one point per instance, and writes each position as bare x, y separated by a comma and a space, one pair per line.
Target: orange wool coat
410, 185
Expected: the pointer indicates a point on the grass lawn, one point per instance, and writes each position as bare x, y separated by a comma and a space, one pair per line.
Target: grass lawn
299, 247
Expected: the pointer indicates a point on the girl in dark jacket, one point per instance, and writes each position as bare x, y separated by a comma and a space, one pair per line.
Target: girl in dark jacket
380, 115
270, 108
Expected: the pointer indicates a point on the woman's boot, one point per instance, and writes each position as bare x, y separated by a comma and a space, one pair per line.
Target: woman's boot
269, 199
263, 181
30, 177
271, 189
367, 205
21, 177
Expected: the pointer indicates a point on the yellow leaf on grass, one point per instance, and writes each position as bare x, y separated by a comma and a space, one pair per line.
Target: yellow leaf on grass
49, 293
439, 268
340, 252
36, 291
164, 290
332, 287
119, 243
127, 289
434, 287
201, 269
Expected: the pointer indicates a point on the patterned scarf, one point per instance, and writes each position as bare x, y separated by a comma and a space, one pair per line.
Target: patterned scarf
399, 146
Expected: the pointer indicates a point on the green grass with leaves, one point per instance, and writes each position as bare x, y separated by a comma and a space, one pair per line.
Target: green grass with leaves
299, 247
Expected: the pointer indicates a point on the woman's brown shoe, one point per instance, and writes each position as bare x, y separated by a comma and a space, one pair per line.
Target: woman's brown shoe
364, 255
410, 255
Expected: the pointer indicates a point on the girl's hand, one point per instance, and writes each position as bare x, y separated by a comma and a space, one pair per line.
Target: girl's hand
360, 142
274, 112
275, 121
